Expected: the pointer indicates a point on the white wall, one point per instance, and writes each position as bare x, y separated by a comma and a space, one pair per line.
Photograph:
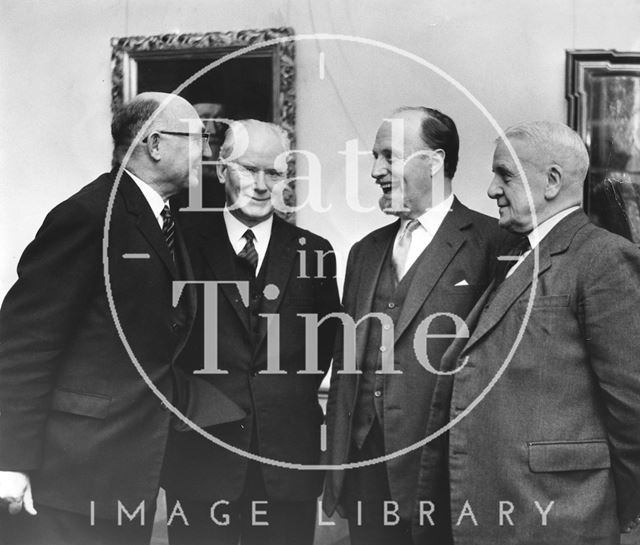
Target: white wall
55, 85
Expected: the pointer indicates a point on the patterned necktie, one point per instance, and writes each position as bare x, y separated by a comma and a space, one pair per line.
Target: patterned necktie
401, 249
168, 229
249, 253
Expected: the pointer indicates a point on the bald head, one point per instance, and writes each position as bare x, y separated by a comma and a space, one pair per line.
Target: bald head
131, 117
169, 147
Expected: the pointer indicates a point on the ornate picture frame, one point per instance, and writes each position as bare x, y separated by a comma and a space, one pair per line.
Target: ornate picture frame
258, 83
603, 95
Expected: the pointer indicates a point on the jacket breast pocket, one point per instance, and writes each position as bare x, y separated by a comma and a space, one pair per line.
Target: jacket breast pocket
549, 301
80, 403
556, 456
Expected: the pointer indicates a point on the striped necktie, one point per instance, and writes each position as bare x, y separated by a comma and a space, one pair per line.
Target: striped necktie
249, 253
168, 229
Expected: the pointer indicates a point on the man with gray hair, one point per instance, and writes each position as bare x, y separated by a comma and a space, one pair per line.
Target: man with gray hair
550, 454
271, 272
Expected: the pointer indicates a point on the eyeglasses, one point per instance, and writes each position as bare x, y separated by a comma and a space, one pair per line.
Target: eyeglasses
204, 135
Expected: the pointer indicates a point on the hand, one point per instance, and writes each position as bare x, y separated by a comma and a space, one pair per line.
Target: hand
15, 491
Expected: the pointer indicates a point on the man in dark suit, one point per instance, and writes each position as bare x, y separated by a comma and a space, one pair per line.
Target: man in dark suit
550, 453
287, 271
431, 264
82, 435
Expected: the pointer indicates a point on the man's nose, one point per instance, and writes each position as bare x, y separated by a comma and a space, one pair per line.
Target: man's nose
259, 181
206, 150
379, 168
494, 190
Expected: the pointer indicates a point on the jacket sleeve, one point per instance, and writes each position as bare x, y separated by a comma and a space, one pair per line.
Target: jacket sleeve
327, 300
56, 276
337, 346
610, 309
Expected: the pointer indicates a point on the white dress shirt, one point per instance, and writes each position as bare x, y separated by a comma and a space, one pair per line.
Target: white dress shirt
152, 197
543, 229
236, 230
422, 236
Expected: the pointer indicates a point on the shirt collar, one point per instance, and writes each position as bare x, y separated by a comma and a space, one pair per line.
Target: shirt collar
432, 218
151, 195
546, 226
236, 229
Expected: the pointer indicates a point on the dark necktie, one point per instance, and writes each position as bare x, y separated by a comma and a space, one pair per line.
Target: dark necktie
168, 229
249, 253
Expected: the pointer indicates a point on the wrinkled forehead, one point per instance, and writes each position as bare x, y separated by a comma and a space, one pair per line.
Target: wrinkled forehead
257, 142
524, 150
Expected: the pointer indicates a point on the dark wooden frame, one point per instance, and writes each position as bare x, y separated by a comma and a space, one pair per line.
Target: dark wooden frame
612, 192
127, 52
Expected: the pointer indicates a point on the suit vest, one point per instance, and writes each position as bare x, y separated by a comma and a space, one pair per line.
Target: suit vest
388, 298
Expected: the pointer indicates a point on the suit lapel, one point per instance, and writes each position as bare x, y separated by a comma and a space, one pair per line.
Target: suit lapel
219, 256
508, 293
512, 288
280, 261
146, 222
437, 256
189, 293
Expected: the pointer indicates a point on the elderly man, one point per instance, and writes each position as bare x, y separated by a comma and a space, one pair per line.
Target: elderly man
550, 455
82, 436
286, 272
431, 264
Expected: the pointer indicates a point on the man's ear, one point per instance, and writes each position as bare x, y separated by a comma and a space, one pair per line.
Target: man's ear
221, 171
554, 182
437, 161
153, 146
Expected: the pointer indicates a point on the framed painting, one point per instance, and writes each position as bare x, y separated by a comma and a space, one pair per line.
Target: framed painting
258, 83
603, 94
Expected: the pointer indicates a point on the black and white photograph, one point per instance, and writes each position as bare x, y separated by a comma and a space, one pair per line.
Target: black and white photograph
295, 272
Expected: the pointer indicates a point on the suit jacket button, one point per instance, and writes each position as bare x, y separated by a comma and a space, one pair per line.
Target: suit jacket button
377, 393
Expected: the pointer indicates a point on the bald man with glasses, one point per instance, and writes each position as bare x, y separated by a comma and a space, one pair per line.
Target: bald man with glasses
82, 435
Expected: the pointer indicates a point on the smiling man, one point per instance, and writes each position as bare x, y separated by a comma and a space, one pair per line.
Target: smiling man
436, 258
289, 271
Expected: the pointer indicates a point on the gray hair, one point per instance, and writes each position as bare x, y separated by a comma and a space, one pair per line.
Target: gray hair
127, 122
238, 130
558, 143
